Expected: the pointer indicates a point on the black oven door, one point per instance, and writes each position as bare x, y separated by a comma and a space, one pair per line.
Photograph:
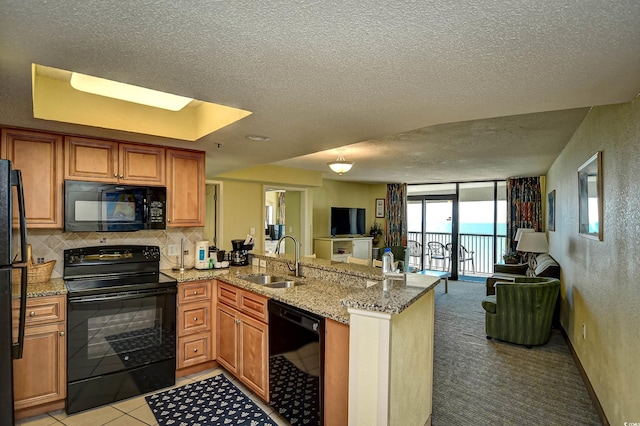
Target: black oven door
120, 331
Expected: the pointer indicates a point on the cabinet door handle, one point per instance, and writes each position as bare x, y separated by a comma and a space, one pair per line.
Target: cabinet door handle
195, 292
115, 175
32, 314
195, 350
195, 319
121, 176
62, 334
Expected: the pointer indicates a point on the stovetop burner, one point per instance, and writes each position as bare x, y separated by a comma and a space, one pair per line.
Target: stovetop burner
101, 285
108, 269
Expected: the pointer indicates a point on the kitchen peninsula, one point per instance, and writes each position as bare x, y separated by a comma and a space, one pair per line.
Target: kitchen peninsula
387, 330
371, 335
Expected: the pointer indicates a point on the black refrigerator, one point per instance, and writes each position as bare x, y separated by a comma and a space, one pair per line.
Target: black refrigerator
10, 346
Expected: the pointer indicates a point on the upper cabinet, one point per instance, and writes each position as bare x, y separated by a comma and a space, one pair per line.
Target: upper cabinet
39, 157
46, 160
185, 188
116, 162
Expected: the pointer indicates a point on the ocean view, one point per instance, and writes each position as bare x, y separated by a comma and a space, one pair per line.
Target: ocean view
465, 228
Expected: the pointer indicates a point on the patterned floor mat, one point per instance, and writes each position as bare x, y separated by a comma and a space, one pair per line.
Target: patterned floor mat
214, 401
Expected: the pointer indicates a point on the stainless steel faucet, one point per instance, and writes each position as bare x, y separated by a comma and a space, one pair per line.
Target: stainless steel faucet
296, 269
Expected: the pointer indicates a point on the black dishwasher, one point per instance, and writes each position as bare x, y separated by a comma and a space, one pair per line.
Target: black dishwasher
296, 363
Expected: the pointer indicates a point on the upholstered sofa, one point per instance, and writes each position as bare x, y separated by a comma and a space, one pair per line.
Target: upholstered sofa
546, 267
521, 311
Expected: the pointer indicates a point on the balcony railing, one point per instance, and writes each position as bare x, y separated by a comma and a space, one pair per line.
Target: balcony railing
480, 245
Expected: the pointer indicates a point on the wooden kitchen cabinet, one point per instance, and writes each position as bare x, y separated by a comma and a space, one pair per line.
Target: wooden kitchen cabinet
243, 337
114, 162
196, 327
227, 338
42, 179
40, 377
336, 373
185, 188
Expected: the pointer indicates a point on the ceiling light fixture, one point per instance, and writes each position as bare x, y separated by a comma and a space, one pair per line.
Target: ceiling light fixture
340, 166
258, 138
128, 92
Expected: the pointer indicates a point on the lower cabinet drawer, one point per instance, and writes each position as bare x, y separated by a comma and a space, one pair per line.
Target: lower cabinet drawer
41, 310
194, 318
194, 349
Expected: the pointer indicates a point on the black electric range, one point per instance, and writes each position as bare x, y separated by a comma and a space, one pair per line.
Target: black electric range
121, 324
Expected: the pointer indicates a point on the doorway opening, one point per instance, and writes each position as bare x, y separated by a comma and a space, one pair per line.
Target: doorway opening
285, 212
212, 220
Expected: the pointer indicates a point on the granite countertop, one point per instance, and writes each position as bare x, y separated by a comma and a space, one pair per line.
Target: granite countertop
53, 287
327, 298
321, 297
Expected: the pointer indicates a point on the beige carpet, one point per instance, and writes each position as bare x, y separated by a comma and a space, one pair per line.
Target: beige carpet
487, 382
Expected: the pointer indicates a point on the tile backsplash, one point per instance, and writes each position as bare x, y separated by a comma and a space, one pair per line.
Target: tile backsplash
49, 244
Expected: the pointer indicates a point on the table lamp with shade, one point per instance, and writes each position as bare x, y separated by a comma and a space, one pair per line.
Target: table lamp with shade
532, 243
519, 233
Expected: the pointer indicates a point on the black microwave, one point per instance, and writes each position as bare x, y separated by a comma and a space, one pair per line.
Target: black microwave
105, 207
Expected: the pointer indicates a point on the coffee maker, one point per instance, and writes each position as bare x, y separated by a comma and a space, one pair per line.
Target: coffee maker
240, 256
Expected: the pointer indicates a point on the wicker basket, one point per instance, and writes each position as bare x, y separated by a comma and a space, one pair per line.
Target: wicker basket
36, 272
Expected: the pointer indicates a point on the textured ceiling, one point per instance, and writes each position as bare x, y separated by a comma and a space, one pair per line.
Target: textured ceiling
416, 91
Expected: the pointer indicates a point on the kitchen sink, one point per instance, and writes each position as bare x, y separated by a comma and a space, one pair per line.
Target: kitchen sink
282, 284
271, 281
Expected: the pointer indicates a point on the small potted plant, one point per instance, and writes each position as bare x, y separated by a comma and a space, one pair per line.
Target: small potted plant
375, 231
510, 256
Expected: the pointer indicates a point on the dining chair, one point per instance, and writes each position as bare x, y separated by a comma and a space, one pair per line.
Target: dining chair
437, 252
357, 261
464, 256
415, 251
378, 264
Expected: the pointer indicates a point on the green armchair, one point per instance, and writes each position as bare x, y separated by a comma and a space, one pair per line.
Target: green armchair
521, 312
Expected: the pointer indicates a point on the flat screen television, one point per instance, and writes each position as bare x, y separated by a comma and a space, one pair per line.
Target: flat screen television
348, 221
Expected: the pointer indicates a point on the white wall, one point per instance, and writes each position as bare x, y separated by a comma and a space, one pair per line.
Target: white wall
601, 279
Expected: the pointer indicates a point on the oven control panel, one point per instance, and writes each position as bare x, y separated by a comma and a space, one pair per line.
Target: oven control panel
106, 255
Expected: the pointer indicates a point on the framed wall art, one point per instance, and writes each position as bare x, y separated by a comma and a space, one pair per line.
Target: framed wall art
552, 210
379, 207
590, 188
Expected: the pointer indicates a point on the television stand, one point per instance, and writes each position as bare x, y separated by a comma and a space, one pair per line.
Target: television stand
339, 249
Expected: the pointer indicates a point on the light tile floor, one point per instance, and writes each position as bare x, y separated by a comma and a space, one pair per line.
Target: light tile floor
135, 411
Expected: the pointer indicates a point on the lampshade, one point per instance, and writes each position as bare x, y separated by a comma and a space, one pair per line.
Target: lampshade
340, 166
521, 231
533, 242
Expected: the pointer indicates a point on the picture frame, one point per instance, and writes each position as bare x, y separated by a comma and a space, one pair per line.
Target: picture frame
380, 207
590, 198
552, 210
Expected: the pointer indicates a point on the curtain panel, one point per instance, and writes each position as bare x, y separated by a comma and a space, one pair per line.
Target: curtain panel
525, 206
396, 214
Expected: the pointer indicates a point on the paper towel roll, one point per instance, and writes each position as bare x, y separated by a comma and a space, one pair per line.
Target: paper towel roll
202, 255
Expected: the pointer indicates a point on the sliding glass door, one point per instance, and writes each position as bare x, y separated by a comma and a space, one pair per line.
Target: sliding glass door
482, 227
458, 227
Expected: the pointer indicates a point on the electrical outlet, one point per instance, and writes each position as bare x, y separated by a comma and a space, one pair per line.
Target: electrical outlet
186, 252
174, 250
252, 231
584, 330
263, 263
255, 261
